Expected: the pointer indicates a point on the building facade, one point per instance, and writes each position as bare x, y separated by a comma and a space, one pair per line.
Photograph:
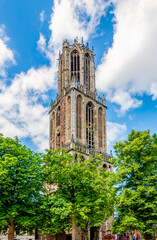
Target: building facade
78, 114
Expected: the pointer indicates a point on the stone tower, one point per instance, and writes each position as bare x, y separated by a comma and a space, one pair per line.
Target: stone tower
78, 115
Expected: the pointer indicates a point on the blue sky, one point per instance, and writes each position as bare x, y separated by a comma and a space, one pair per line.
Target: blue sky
124, 36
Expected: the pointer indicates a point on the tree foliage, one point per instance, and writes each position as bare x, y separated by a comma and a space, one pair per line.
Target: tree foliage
136, 183
76, 188
21, 182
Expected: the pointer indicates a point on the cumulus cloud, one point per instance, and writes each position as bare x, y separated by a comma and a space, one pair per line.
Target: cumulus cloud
123, 99
22, 114
6, 54
115, 132
130, 66
71, 18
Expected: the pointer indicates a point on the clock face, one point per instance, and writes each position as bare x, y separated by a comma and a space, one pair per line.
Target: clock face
90, 126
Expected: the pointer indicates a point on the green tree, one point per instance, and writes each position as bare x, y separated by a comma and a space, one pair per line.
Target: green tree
21, 182
136, 183
78, 193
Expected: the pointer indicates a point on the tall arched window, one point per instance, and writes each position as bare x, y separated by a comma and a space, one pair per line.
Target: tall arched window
100, 127
87, 71
75, 67
78, 117
58, 130
58, 117
69, 118
53, 131
90, 128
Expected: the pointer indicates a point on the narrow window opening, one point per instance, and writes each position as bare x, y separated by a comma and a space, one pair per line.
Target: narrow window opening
75, 67
100, 127
58, 117
78, 117
69, 118
89, 126
53, 131
87, 71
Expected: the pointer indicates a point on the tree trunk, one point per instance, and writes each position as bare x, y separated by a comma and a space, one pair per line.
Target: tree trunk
73, 228
130, 235
86, 235
11, 230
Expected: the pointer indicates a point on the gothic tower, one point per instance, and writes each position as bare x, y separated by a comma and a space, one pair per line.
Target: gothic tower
78, 115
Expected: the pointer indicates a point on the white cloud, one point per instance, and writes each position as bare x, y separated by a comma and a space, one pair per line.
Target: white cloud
6, 54
42, 16
124, 99
115, 132
71, 18
130, 65
42, 43
21, 112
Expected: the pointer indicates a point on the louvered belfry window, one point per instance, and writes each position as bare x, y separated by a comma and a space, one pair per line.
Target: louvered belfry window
87, 71
75, 67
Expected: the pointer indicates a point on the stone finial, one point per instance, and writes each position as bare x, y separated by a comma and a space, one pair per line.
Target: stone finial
65, 44
52, 104
103, 100
92, 50
82, 40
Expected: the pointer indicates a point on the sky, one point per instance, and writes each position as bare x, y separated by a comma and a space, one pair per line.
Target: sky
124, 36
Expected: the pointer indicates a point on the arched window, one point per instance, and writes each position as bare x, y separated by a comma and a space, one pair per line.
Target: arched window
78, 117
100, 124
87, 71
69, 118
58, 117
57, 128
90, 128
75, 67
53, 130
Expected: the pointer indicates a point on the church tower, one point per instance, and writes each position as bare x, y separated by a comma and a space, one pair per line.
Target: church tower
78, 115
